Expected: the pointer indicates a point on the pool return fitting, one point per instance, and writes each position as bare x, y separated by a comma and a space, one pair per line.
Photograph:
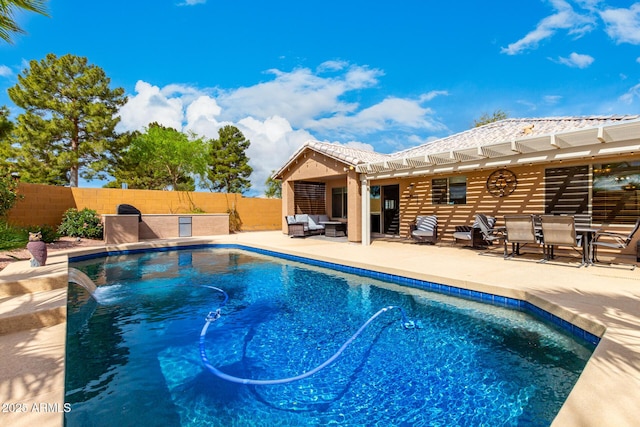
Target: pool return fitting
216, 314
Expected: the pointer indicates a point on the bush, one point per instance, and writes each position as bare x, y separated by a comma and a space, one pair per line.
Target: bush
85, 223
12, 237
8, 195
49, 234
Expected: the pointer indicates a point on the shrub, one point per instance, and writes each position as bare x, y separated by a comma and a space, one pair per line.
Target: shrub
12, 237
85, 223
8, 194
49, 234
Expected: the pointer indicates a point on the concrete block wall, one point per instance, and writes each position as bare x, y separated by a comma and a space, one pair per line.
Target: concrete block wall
45, 204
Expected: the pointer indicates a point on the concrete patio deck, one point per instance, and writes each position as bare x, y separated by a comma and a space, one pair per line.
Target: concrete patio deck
603, 301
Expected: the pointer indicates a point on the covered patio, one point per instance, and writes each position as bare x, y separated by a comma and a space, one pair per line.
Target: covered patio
587, 166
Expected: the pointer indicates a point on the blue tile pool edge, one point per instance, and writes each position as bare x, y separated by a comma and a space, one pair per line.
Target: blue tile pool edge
484, 297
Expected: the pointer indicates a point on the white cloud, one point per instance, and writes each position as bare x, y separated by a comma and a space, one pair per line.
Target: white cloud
278, 115
565, 18
623, 25
576, 60
631, 95
425, 97
192, 2
388, 114
150, 105
298, 95
202, 117
273, 141
5, 71
332, 66
552, 99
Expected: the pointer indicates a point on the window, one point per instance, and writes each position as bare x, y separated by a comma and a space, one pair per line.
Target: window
615, 192
309, 197
566, 190
449, 191
339, 202
458, 190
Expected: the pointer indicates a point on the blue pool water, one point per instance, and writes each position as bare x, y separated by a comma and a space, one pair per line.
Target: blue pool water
133, 358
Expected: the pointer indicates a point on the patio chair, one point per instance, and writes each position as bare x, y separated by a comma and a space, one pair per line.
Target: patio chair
425, 229
520, 230
490, 233
613, 241
469, 234
472, 233
560, 230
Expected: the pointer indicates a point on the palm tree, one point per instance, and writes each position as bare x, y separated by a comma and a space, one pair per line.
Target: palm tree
8, 9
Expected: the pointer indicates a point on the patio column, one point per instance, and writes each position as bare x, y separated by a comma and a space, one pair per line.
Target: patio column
354, 197
366, 212
288, 203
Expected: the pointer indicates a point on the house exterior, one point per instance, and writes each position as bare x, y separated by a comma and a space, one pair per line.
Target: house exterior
556, 165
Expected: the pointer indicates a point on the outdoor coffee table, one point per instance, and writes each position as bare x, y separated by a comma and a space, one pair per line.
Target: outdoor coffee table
334, 228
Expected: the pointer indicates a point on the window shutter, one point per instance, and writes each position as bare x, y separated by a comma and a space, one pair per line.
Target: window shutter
309, 197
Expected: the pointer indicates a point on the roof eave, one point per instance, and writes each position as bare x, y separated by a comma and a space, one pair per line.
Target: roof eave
618, 138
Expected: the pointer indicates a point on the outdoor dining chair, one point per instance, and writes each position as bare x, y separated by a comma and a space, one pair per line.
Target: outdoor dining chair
560, 230
607, 239
520, 230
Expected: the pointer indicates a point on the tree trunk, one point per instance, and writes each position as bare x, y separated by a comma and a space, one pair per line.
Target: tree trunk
75, 144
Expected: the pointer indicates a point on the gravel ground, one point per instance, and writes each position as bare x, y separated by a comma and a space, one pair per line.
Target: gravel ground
7, 257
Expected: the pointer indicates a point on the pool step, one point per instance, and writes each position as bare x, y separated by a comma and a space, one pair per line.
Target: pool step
33, 297
32, 311
15, 286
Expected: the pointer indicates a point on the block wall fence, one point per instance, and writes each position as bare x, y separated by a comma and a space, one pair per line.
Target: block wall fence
45, 204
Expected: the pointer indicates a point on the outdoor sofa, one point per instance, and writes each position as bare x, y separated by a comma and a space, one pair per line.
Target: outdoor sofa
302, 225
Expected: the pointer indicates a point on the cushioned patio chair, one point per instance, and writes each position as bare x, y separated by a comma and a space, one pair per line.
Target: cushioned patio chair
490, 233
519, 230
472, 234
425, 229
560, 230
607, 239
469, 234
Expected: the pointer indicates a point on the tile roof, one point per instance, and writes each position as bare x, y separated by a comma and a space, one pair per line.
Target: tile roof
508, 130
490, 134
348, 155
345, 153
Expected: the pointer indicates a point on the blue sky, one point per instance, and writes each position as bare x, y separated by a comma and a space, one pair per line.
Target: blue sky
370, 74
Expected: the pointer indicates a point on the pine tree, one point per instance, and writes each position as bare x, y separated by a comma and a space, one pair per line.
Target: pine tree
229, 168
68, 127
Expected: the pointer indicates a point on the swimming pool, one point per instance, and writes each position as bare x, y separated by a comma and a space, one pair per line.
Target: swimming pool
135, 355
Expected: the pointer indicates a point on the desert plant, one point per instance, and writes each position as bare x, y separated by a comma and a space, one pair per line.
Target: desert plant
85, 223
235, 223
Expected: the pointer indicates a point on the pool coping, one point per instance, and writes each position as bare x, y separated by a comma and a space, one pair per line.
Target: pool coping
401, 280
579, 409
